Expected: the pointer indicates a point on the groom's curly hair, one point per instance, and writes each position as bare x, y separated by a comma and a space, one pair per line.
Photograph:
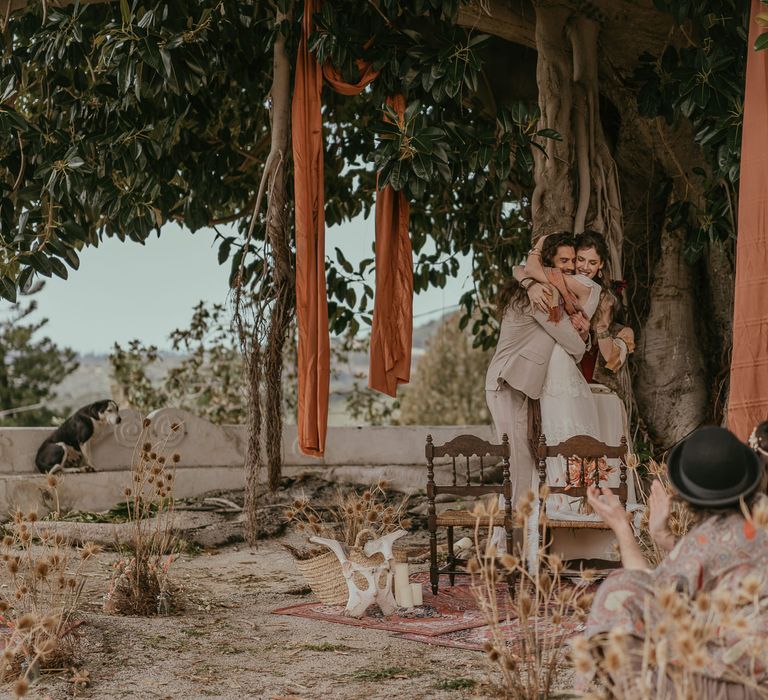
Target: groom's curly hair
512, 292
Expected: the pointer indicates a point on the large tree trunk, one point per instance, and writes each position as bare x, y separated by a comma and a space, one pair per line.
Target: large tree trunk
681, 313
670, 387
553, 205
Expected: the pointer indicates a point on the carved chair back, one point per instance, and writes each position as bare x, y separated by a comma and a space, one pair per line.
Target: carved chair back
584, 455
460, 450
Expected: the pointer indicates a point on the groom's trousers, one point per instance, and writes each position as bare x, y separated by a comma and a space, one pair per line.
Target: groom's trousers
509, 410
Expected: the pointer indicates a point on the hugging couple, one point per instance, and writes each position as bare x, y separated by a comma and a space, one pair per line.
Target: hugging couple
556, 309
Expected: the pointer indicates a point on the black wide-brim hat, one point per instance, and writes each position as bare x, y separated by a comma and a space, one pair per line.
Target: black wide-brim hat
713, 468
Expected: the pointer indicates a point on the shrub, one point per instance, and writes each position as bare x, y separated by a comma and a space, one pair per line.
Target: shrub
140, 584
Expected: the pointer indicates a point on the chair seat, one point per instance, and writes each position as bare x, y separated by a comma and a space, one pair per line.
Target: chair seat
578, 524
466, 518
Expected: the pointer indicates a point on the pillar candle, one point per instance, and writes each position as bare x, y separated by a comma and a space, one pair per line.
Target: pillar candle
417, 594
402, 587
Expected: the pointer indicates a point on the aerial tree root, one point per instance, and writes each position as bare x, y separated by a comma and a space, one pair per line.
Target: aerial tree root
270, 305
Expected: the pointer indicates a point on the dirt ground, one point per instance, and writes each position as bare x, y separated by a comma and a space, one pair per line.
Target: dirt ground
227, 644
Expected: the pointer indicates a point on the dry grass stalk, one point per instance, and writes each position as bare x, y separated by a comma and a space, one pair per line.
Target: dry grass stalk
543, 602
679, 644
42, 583
140, 583
351, 513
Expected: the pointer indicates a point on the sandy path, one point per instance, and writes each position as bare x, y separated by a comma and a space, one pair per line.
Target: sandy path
226, 644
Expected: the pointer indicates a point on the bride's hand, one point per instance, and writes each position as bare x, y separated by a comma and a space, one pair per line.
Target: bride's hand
539, 295
581, 324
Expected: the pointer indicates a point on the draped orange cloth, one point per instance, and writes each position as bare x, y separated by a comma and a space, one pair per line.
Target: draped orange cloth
311, 295
311, 287
392, 331
748, 400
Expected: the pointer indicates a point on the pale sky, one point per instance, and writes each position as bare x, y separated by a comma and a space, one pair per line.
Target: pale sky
126, 290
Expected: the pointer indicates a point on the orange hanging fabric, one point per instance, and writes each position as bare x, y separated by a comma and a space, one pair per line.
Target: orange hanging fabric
392, 331
311, 295
394, 305
334, 79
748, 400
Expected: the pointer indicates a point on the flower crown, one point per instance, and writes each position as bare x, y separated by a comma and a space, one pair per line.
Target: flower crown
757, 444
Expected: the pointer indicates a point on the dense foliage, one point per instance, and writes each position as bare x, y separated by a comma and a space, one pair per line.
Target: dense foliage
119, 117
703, 81
444, 388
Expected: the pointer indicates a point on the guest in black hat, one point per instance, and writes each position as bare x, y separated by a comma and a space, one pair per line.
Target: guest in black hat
723, 482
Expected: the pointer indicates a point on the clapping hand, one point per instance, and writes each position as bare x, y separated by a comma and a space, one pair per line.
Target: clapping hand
659, 509
608, 506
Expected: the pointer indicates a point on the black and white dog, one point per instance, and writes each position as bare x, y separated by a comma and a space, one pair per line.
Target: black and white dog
68, 448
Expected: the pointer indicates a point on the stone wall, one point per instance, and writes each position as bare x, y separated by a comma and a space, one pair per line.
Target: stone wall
212, 458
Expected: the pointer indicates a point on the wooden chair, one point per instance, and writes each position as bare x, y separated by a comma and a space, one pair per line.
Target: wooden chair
464, 446
586, 452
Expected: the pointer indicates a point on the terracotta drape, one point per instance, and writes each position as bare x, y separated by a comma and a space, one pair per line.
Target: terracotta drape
311, 296
311, 288
392, 331
748, 401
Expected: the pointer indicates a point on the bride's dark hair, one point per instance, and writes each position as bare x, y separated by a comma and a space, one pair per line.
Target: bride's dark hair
593, 239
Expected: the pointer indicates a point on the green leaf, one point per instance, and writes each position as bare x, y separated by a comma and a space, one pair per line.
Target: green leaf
59, 269
125, 11
761, 42
8, 289
550, 134
42, 264
72, 258
25, 278
344, 262
422, 166
399, 175
224, 249
23, 217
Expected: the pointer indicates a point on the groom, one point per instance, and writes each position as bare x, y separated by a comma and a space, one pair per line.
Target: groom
519, 365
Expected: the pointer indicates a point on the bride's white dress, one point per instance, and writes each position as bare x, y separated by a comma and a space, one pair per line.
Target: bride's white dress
570, 407
567, 409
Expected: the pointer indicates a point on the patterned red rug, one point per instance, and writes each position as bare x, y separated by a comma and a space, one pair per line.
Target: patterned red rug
453, 608
476, 637
451, 618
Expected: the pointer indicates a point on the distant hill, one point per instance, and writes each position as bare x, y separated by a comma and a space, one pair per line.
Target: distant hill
91, 381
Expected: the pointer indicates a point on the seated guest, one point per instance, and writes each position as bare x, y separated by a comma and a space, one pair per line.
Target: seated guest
722, 561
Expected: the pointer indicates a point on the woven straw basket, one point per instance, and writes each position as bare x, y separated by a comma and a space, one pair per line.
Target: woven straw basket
324, 576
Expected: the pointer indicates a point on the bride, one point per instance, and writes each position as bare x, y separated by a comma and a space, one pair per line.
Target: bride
567, 405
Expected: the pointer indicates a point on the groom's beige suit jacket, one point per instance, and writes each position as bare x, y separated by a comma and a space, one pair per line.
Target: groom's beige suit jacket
526, 341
